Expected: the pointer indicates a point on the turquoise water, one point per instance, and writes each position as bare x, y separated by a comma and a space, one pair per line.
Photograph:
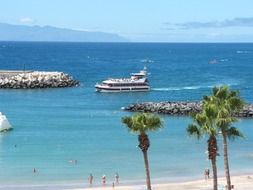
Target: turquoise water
54, 126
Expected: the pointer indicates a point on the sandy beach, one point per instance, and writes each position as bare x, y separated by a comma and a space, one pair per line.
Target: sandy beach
244, 182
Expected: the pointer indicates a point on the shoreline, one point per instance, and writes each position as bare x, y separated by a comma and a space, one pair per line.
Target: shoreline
241, 182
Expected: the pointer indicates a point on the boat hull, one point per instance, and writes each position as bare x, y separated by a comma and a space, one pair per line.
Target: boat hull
124, 89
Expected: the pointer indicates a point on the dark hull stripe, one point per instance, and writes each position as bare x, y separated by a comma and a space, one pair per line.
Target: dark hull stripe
122, 89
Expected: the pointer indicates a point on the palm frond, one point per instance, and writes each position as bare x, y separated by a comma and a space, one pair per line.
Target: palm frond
233, 133
227, 102
194, 130
142, 122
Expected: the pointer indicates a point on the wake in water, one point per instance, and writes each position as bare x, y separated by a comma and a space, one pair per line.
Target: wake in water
177, 88
147, 61
224, 60
190, 87
241, 51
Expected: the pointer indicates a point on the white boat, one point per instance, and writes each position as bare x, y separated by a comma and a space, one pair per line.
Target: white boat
138, 82
4, 123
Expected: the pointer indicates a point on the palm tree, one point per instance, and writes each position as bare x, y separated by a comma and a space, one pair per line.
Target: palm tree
227, 102
141, 123
204, 123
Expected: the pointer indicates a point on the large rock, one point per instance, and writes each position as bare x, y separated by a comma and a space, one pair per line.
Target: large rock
179, 108
37, 79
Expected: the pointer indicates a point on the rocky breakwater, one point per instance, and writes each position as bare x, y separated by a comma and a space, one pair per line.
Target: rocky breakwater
36, 79
179, 108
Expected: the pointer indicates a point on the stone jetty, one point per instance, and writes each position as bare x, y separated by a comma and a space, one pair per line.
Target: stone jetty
179, 108
35, 79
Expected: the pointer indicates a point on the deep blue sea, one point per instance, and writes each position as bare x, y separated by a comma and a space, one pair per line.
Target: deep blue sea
54, 126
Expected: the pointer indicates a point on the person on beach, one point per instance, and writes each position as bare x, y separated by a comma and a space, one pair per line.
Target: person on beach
207, 173
117, 178
103, 179
90, 179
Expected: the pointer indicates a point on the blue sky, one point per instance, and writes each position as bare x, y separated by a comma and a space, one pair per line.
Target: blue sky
141, 20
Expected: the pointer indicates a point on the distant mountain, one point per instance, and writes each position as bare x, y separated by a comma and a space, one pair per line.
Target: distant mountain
9, 32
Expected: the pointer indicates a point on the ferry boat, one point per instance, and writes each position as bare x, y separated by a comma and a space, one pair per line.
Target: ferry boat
137, 82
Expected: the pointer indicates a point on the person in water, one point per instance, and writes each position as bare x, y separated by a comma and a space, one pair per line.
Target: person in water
117, 178
90, 179
104, 179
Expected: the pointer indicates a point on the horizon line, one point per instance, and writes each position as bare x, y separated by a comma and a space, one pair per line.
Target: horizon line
129, 42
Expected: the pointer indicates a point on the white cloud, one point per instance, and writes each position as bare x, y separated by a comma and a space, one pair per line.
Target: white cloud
235, 22
26, 20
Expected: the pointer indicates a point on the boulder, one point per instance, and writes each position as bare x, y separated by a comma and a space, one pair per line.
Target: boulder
38, 79
179, 108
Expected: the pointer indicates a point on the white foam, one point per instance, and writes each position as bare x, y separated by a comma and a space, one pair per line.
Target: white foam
147, 61
177, 88
224, 60
166, 89
191, 87
242, 51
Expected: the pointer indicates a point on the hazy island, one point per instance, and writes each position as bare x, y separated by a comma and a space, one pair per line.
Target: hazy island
10, 32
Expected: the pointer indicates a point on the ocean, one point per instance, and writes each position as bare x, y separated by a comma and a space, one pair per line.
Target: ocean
54, 127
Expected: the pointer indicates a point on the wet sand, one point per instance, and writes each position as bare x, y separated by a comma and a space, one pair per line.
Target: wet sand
244, 182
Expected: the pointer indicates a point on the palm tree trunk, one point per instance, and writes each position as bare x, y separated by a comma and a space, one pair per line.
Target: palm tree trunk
226, 164
215, 181
148, 181
212, 154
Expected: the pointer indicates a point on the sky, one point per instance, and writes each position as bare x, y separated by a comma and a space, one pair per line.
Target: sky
140, 20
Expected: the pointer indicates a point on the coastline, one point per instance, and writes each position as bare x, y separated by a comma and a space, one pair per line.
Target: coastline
240, 182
